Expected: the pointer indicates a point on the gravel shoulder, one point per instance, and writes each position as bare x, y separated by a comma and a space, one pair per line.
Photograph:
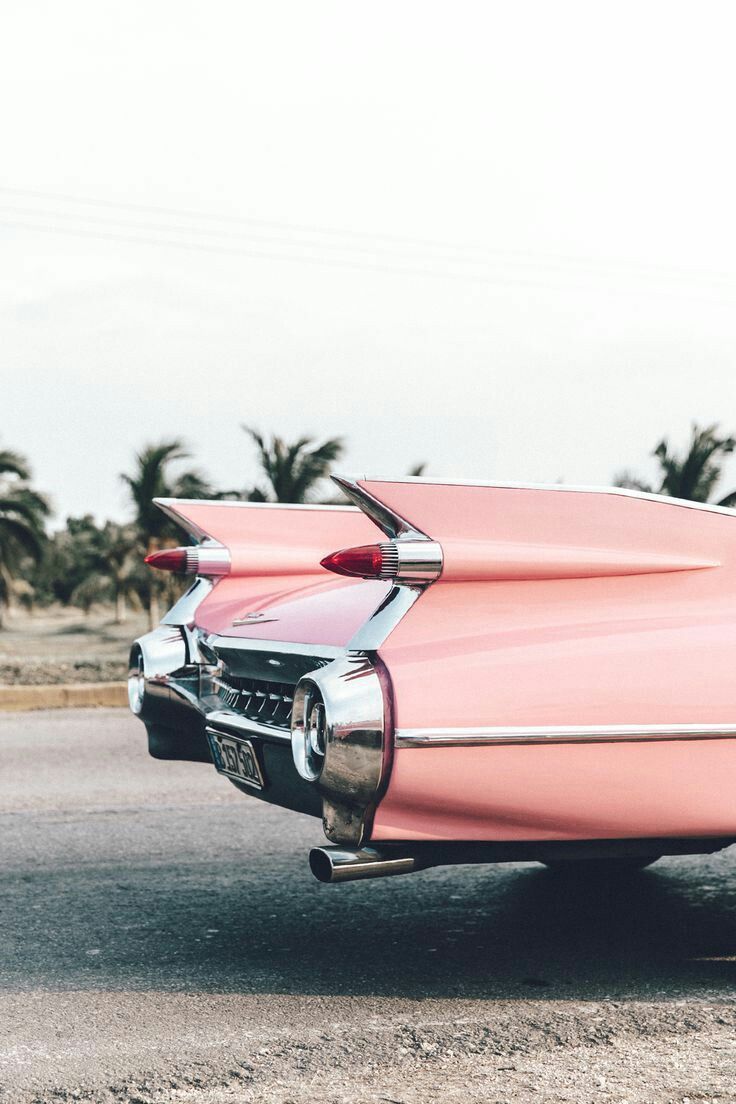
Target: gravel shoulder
162, 940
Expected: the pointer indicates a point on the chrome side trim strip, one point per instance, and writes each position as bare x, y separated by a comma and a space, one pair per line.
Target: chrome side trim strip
251, 644
559, 734
627, 492
172, 508
167, 504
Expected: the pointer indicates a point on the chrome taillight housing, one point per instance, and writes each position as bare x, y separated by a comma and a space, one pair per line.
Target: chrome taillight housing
340, 741
308, 730
207, 559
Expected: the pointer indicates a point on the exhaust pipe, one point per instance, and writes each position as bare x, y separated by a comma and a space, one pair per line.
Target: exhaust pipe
338, 864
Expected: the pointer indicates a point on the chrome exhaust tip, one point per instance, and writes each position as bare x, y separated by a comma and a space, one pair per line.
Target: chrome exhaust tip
339, 864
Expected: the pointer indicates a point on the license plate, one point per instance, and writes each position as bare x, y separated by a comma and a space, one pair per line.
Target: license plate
236, 758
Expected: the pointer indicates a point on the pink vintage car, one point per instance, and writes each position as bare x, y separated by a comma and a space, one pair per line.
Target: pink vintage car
459, 673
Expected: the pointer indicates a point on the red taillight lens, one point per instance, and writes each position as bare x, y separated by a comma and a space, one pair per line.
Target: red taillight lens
173, 559
365, 562
209, 560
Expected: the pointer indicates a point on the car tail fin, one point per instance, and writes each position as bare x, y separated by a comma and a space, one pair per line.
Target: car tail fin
268, 538
507, 531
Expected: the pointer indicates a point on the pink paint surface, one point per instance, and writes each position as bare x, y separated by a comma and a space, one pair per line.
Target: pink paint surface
307, 609
561, 792
565, 635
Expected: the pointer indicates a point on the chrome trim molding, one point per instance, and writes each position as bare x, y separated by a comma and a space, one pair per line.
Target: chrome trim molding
345, 758
246, 727
410, 561
153, 659
163, 651
384, 618
308, 730
418, 561
626, 492
167, 504
248, 643
183, 611
393, 524
559, 734
170, 506
208, 558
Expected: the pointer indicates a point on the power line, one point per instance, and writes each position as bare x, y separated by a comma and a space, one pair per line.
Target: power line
107, 221
241, 219
304, 258
213, 248
462, 250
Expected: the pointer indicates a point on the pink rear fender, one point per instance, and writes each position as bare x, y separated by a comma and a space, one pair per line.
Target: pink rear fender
563, 610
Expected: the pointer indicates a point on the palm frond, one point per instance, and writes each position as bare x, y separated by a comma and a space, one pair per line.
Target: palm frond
695, 473
293, 470
631, 482
12, 463
18, 538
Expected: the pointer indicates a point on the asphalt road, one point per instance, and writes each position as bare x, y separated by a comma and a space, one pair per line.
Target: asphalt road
162, 940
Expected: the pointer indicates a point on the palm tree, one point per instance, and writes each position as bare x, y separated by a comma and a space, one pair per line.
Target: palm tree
294, 470
23, 514
121, 564
692, 474
152, 479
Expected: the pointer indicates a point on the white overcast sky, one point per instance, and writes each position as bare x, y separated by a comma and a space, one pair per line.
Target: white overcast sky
499, 237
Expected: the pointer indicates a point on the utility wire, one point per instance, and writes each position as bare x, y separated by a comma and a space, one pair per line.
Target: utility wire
464, 252
106, 222
333, 262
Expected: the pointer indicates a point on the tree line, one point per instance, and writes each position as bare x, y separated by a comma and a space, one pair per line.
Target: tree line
85, 563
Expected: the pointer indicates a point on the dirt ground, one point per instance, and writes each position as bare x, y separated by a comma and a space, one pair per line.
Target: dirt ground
66, 645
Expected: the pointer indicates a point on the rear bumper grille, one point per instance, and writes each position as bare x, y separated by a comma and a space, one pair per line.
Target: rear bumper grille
269, 703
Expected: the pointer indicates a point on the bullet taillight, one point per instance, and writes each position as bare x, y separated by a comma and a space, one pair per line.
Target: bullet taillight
406, 561
367, 561
201, 559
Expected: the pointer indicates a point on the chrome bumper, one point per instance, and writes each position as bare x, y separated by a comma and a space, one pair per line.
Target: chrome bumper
176, 682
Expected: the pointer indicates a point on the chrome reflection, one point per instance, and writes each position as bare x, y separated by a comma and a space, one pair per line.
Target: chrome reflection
183, 611
339, 864
385, 618
136, 680
308, 730
338, 741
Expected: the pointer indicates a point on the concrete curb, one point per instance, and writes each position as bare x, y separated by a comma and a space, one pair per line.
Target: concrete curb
66, 696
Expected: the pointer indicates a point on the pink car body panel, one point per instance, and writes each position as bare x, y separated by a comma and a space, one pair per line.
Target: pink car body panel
304, 609
596, 610
561, 792
556, 610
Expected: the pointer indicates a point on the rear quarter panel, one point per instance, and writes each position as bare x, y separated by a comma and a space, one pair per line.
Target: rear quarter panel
622, 649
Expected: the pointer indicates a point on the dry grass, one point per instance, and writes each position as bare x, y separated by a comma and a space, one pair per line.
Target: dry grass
63, 645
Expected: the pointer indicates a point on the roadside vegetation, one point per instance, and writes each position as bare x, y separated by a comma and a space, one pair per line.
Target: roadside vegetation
90, 566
